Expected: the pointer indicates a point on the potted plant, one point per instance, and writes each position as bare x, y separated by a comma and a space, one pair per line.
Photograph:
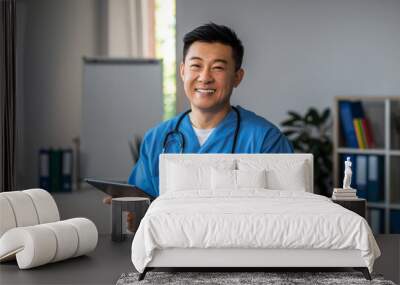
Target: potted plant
311, 133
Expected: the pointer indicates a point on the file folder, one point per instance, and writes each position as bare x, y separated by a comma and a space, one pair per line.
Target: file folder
66, 172
44, 169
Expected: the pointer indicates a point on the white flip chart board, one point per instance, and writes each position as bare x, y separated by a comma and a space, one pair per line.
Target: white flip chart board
121, 97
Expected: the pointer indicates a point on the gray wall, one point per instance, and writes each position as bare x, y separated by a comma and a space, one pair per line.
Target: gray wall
52, 38
298, 53
302, 53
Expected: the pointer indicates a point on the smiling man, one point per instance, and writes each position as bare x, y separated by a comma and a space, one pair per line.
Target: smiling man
211, 69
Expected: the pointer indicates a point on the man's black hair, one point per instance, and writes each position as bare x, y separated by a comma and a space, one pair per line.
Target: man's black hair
213, 33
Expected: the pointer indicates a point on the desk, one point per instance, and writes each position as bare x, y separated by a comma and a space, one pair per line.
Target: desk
102, 266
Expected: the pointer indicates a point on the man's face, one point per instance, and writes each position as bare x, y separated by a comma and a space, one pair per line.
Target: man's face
208, 74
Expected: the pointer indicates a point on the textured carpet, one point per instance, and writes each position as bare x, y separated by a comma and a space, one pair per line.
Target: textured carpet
226, 278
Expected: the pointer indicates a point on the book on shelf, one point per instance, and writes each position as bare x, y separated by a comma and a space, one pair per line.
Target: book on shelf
346, 120
344, 194
334, 197
355, 126
367, 130
341, 190
359, 135
362, 126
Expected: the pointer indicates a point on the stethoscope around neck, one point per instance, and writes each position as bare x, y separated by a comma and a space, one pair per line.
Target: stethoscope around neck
181, 140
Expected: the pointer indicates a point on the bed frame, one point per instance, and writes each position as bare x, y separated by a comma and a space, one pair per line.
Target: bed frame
245, 258
242, 259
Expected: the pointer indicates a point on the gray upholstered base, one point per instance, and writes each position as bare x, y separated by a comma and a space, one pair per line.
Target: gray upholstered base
161, 278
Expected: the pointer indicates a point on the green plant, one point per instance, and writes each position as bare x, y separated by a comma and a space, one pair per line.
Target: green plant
311, 133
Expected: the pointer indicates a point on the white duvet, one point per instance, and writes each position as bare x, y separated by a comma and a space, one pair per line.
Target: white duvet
250, 219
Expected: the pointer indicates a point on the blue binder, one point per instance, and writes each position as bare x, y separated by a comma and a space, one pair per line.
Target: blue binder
395, 221
375, 178
346, 119
361, 176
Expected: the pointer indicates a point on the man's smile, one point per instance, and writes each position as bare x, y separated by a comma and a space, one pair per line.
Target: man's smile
204, 91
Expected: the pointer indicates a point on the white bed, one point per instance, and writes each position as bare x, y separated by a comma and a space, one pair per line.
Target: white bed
247, 210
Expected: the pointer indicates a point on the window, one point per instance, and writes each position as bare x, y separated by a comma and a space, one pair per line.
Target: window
166, 50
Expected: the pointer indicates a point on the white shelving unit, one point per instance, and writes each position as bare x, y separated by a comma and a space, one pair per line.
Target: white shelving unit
382, 112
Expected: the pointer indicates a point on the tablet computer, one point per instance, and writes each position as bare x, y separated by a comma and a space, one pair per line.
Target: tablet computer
117, 189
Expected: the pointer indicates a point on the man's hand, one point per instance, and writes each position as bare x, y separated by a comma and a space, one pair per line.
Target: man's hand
107, 200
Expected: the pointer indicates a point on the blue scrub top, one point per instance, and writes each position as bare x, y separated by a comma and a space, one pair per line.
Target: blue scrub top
256, 135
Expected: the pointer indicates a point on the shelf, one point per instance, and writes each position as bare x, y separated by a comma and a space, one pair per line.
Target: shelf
366, 98
361, 151
374, 114
394, 206
378, 151
383, 114
376, 205
379, 205
394, 152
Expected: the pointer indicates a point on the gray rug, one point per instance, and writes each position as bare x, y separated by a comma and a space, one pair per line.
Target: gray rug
228, 278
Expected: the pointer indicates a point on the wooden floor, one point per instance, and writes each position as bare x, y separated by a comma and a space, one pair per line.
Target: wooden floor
110, 260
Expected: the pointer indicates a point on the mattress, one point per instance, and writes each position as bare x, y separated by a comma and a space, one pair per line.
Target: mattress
250, 219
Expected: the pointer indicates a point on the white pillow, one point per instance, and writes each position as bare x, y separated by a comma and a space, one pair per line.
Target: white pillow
223, 179
186, 175
182, 178
290, 179
251, 178
281, 175
236, 179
